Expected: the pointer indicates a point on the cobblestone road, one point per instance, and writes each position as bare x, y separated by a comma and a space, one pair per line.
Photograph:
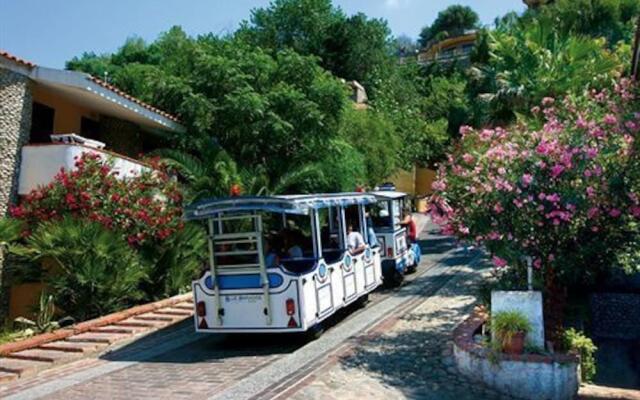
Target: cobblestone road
407, 360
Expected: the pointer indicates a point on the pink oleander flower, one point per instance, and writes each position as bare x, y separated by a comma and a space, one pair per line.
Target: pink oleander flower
615, 213
581, 123
548, 101
526, 179
498, 208
554, 198
591, 152
465, 129
439, 185
493, 235
557, 170
468, 158
593, 212
537, 263
610, 119
499, 262
543, 148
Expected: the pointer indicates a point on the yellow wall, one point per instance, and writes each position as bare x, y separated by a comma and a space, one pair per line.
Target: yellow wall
404, 181
24, 299
67, 116
424, 179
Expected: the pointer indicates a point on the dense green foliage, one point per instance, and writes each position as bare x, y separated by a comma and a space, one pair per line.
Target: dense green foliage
612, 20
450, 22
582, 345
95, 272
533, 60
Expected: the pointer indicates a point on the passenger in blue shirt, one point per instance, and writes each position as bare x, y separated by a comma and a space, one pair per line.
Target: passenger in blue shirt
371, 233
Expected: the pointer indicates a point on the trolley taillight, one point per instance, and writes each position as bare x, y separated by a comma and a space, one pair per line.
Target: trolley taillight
201, 309
291, 306
389, 251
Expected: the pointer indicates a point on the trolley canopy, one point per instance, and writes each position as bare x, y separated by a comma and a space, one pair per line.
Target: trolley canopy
289, 204
388, 194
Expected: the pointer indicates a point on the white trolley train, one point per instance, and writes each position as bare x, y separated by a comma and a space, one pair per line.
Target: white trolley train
282, 263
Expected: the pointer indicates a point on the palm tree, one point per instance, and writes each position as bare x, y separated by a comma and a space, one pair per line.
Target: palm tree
10, 231
533, 60
212, 173
96, 272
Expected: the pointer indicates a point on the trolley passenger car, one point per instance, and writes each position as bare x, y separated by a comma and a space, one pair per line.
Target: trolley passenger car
283, 263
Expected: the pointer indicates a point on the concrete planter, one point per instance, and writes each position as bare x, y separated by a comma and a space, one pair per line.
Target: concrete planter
528, 376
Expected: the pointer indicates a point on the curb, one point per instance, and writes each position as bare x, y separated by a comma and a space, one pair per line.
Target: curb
29, 356
83, 327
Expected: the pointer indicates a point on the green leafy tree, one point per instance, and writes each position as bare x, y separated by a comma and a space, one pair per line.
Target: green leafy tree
610, 19
452, 21
350, 47
373, 134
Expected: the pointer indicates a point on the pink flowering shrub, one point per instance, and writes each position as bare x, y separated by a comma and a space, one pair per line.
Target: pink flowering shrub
145, 208
561, 188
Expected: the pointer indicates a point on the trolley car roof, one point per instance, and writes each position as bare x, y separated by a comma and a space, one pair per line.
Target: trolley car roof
289, 204
388, 194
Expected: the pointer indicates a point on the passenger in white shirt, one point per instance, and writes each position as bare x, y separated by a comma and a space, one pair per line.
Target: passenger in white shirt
355, 241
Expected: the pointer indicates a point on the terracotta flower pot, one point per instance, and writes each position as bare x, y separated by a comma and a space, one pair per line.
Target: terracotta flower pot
516, 344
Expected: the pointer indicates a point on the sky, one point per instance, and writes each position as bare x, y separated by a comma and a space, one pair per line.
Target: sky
50, 32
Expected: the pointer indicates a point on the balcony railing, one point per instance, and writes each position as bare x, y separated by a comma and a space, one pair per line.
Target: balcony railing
41, 162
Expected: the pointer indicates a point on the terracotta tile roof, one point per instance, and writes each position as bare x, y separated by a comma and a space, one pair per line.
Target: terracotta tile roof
133, 99
18, 60
100, 82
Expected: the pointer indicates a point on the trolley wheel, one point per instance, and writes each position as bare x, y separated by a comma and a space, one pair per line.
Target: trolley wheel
412, 269
362, 301
394, 280
314, 332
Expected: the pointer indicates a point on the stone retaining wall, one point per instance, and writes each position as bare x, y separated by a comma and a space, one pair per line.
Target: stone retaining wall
15, 126
528, 376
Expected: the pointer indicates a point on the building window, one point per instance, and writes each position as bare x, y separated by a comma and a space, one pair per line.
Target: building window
41, 123
89, 128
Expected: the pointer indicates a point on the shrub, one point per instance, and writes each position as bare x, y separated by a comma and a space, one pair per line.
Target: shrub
94, 270
174, 265
577, 342
505, 324
561, 188
144, 208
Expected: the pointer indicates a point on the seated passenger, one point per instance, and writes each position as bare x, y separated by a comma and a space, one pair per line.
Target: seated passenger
371, 233
271, 258
355, 241
294, 250
412, 229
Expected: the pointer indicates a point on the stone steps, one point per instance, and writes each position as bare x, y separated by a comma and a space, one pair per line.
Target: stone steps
98, 337
45, 355
22, 367
71, 347
41, 352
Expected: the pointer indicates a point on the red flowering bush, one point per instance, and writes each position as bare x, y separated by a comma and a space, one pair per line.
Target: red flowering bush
145, 208
561, 188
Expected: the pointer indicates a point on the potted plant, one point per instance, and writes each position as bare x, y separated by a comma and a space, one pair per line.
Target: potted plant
510, 328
